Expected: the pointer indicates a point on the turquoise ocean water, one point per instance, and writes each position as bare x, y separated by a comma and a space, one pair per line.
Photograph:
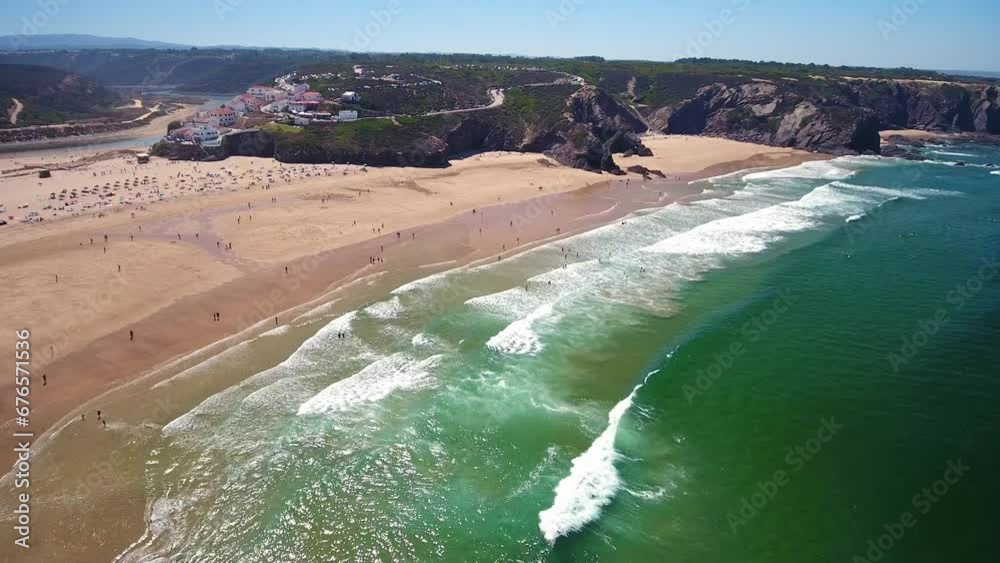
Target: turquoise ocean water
781, 373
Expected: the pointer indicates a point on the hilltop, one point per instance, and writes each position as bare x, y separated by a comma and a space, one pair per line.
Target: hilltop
580, 111
36, 95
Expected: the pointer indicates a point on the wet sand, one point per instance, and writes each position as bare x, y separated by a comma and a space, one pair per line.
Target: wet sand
170, 288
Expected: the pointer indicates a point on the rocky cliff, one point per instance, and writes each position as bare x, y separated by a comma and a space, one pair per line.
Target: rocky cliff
581, 128
830, 116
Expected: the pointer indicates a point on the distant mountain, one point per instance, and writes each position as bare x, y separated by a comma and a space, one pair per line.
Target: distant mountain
74, 41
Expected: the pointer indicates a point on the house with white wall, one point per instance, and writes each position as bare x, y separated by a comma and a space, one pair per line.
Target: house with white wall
299, 106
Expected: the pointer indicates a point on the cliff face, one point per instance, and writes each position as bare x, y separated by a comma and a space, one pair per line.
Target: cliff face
594, 127
931, 106
840, 117
591, 128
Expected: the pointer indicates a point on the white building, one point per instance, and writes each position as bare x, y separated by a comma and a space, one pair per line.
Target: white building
236, 104
244, 103
311, 96
258, 91
350, 97
276, 106
347, 115
302, 105
222, 117
267, 93
203, 132
275, 94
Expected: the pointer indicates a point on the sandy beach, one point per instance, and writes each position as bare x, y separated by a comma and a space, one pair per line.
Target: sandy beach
128, 275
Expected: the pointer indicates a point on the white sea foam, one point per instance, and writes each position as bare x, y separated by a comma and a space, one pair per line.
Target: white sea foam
519, 337
592, 481
654, 494
319, 340
283, 329
428, 281
754, 231
194, 420
816, 169
908, 193
855, 218
742, 234
385, 309
372, 384
947, 153
995, 173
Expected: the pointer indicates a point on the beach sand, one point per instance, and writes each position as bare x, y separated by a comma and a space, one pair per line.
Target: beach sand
409, 223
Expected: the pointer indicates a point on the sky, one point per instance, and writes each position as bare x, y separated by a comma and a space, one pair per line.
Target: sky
930, 34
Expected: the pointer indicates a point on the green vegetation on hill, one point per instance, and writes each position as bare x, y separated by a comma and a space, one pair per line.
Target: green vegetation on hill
416, 88
541, 106
364, 135
53, 96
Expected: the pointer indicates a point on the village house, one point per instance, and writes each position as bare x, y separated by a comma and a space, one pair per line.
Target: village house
311, 96
237, 104
276, 106
347, 115
302, 105
250, 103
267, 93
350, 97
222, 117
258, 91
203, 132
244, 103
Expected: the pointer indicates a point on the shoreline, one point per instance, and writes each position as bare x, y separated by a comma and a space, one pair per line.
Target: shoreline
179, 336
920, 135
582, 205
155, 126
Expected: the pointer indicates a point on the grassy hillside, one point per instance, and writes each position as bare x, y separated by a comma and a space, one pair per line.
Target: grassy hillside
53, 96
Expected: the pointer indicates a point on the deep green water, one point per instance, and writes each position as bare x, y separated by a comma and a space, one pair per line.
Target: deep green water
605, 416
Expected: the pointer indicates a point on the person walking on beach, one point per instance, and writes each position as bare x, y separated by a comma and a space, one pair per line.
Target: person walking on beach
131, 336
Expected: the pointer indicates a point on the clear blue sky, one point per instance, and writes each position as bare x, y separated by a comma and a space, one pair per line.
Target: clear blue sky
936, 34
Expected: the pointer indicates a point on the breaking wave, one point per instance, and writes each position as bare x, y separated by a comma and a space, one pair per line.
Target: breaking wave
592, 482
372, 384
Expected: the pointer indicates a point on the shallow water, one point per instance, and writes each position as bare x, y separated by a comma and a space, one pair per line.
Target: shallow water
629, 394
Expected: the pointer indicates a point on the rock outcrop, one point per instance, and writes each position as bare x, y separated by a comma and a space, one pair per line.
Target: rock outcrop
762, 112
592, 127
834, 117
